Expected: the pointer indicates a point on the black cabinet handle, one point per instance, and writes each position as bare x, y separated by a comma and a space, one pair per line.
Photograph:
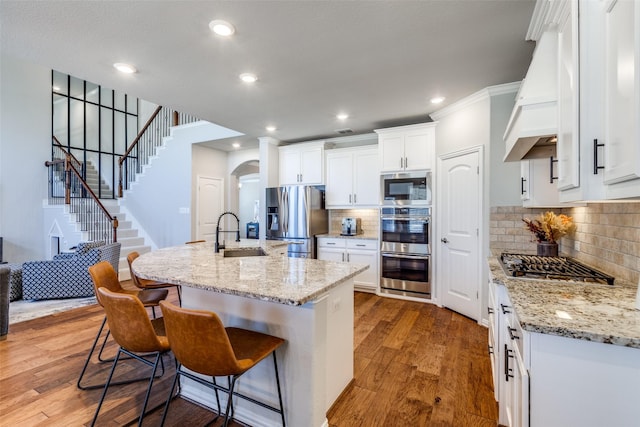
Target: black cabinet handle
551, 162
522, 181
489, 310
490, 348
504, 309
595, 156
507, 370
511, 333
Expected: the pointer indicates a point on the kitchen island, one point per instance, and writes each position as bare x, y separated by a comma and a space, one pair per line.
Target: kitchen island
564, 353
307, 302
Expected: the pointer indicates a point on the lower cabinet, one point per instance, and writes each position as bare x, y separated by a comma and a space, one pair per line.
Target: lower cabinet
357, 251
507, 344
544, 380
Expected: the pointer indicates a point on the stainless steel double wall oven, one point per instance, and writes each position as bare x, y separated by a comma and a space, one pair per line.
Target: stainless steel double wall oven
405, 227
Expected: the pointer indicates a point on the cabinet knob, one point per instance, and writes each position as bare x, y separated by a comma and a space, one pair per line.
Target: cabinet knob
444, 240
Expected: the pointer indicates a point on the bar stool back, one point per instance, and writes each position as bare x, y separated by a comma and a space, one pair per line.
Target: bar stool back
146, 283
103, 275
136, 334
201, 343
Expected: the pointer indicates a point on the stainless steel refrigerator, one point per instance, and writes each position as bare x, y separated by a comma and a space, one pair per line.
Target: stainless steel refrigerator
297, 213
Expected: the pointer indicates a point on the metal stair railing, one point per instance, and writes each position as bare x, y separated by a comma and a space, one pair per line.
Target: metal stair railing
67, 186
144, 145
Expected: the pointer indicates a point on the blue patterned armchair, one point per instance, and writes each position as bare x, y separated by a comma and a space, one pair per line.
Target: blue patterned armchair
67, 275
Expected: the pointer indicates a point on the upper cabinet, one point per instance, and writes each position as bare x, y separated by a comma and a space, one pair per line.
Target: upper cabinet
407, 148
598, 86
622, 87
537, 183
353, 177
302, 163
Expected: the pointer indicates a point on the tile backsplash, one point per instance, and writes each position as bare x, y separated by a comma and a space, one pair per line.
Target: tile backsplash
607, 235
369, 219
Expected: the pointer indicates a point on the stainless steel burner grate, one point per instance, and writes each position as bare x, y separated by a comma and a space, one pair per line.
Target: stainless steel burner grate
551, 268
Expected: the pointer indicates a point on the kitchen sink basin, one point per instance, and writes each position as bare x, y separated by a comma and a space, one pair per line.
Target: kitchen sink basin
242, 252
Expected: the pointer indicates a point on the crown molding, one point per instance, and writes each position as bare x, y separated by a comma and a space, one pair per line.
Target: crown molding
480, 95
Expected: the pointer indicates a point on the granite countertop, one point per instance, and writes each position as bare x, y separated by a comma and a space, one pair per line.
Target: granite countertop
598, 312
363, 236
275, 277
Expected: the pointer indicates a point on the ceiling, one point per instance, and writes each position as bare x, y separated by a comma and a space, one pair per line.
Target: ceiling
379, 61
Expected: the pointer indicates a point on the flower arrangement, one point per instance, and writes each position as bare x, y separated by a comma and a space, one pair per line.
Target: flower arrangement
549, 227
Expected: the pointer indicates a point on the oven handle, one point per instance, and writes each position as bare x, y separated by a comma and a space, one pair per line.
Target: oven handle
396, 255
407, 218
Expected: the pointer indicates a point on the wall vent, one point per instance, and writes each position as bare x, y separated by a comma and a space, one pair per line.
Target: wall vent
344, 131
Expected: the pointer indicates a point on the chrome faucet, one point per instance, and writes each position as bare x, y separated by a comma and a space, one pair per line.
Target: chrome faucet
219, 246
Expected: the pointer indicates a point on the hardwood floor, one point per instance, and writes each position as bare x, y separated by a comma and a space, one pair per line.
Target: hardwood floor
415, 365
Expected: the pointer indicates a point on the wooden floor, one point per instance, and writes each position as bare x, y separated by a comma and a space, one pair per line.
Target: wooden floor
415, 365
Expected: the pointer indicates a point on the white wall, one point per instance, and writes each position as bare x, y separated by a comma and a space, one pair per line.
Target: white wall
25, 144
504, 177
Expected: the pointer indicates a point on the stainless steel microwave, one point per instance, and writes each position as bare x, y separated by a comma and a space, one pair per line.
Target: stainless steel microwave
409, 188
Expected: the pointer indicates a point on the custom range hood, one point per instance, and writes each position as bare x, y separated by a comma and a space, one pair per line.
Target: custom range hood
534, 120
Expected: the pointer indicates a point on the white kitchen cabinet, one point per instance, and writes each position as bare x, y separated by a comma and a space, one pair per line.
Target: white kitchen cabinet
537, 184
302, 163
352, 178
622, 91
357, 251
598, 100
407, 148
551, 380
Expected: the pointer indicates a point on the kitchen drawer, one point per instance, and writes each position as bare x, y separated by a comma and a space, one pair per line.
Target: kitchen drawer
362, 244
331, 242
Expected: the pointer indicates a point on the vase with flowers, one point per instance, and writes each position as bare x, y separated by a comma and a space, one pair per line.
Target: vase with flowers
547, 229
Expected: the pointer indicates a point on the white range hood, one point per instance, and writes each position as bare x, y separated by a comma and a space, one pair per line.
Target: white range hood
535, 116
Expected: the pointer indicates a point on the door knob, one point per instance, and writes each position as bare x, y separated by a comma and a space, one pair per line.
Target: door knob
444, 240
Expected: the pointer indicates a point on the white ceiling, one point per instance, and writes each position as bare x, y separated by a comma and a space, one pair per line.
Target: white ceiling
379, 61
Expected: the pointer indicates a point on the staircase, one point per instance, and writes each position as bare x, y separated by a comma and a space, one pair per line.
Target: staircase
97, 184
127, 236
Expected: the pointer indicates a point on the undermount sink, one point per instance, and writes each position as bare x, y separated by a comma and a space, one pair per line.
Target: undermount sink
241, 252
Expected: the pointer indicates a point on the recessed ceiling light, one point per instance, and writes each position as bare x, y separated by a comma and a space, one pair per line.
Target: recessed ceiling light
270, 128
342, 116
248, 77
236, 145
125, 68
222, 28
437, 100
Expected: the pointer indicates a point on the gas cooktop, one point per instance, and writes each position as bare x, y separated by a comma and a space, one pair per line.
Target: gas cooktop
551, 268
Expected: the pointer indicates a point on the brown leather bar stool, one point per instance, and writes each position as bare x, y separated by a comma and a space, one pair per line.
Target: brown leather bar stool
146, 283
103, 275
201, 343
136, 334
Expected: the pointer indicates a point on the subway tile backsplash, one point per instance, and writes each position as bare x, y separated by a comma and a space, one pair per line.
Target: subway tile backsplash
607, 235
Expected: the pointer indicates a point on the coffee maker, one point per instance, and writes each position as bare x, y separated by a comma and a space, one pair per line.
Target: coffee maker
350, 227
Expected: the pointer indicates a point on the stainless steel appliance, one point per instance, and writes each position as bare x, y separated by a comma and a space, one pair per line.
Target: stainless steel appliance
296, 213
405, 255
409, 188
551, 268
351, 226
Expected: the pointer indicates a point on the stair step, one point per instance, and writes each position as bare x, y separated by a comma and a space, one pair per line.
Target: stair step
130, 241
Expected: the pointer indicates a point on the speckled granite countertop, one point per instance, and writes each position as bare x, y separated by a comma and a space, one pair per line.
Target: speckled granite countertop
275, 277
599, 313
364, 236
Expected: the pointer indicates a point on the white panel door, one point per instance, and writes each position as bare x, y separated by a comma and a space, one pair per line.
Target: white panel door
460, 212
210, 204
